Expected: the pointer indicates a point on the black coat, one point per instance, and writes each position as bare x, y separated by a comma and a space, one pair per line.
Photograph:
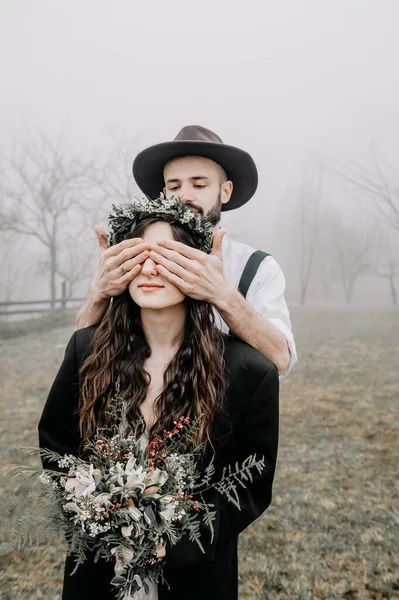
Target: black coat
251, 428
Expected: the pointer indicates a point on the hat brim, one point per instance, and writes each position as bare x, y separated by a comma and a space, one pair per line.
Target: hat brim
239, 165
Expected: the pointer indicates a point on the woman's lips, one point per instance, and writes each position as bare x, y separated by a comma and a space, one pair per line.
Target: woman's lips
150, 287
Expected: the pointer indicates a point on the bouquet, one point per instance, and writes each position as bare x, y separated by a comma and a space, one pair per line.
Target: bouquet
127, 497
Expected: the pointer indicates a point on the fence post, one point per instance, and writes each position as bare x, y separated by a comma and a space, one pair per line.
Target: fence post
63, 295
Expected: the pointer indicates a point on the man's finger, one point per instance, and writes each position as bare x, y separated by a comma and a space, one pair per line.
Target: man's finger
124, 245
129, 263
102, 237
217, 243
187, 251
170, 265
130, 275
124, 254
158, 251
180, 283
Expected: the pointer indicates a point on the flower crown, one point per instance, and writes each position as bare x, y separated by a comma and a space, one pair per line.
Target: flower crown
170, 209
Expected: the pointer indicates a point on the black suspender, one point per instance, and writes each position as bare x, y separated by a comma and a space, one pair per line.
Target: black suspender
250, 270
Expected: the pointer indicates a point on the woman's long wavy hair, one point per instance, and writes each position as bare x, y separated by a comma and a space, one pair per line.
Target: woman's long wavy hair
194, 384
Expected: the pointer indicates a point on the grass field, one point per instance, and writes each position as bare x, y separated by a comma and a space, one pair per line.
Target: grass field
332, 530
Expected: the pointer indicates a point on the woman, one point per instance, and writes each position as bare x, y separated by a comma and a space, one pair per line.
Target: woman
170, 360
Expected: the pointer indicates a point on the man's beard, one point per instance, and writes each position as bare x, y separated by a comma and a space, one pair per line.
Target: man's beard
214, 214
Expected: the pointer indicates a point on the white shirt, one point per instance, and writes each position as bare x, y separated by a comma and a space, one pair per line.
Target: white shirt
265, 294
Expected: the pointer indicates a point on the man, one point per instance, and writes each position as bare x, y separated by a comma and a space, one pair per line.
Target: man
211, 177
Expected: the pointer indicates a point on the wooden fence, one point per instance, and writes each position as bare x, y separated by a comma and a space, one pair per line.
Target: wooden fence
38, 306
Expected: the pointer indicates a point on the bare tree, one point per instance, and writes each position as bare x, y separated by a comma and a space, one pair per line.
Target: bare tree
354, 251
308, 215
9, 269
115, 176
44, 193
387, 262
77, 258
377, 183
17, 267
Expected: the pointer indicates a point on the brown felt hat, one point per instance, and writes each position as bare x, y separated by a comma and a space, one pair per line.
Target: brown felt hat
194, 140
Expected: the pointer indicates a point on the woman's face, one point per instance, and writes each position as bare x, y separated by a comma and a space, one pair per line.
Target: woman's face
148, 289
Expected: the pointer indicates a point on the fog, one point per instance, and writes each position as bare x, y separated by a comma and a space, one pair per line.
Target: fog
307, 88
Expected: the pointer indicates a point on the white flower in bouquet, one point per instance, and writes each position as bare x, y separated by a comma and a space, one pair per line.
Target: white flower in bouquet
169, 505
156, 478
127, 530
102, 501
123, 557
84, 482
116, 474
134, 512
135, 475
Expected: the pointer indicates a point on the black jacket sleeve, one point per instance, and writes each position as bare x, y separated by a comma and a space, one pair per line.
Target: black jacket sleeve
59, 423
255, 433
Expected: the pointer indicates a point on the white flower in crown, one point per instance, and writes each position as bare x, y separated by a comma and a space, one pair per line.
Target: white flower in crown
126, 211
189, 216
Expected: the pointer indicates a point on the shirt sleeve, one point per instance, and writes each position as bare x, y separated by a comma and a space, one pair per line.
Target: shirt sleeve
266, 296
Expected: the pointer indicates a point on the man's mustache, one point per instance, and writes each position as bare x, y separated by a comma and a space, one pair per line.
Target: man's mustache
194, 208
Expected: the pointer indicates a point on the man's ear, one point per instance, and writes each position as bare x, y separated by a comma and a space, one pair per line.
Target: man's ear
226, 191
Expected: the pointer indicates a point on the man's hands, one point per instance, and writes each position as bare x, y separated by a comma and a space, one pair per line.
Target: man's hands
195, 273
118, 265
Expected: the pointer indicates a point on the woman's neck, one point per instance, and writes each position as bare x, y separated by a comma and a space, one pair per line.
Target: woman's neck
163, 329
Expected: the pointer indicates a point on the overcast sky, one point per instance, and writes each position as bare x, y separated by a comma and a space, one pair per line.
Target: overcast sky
283, 79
